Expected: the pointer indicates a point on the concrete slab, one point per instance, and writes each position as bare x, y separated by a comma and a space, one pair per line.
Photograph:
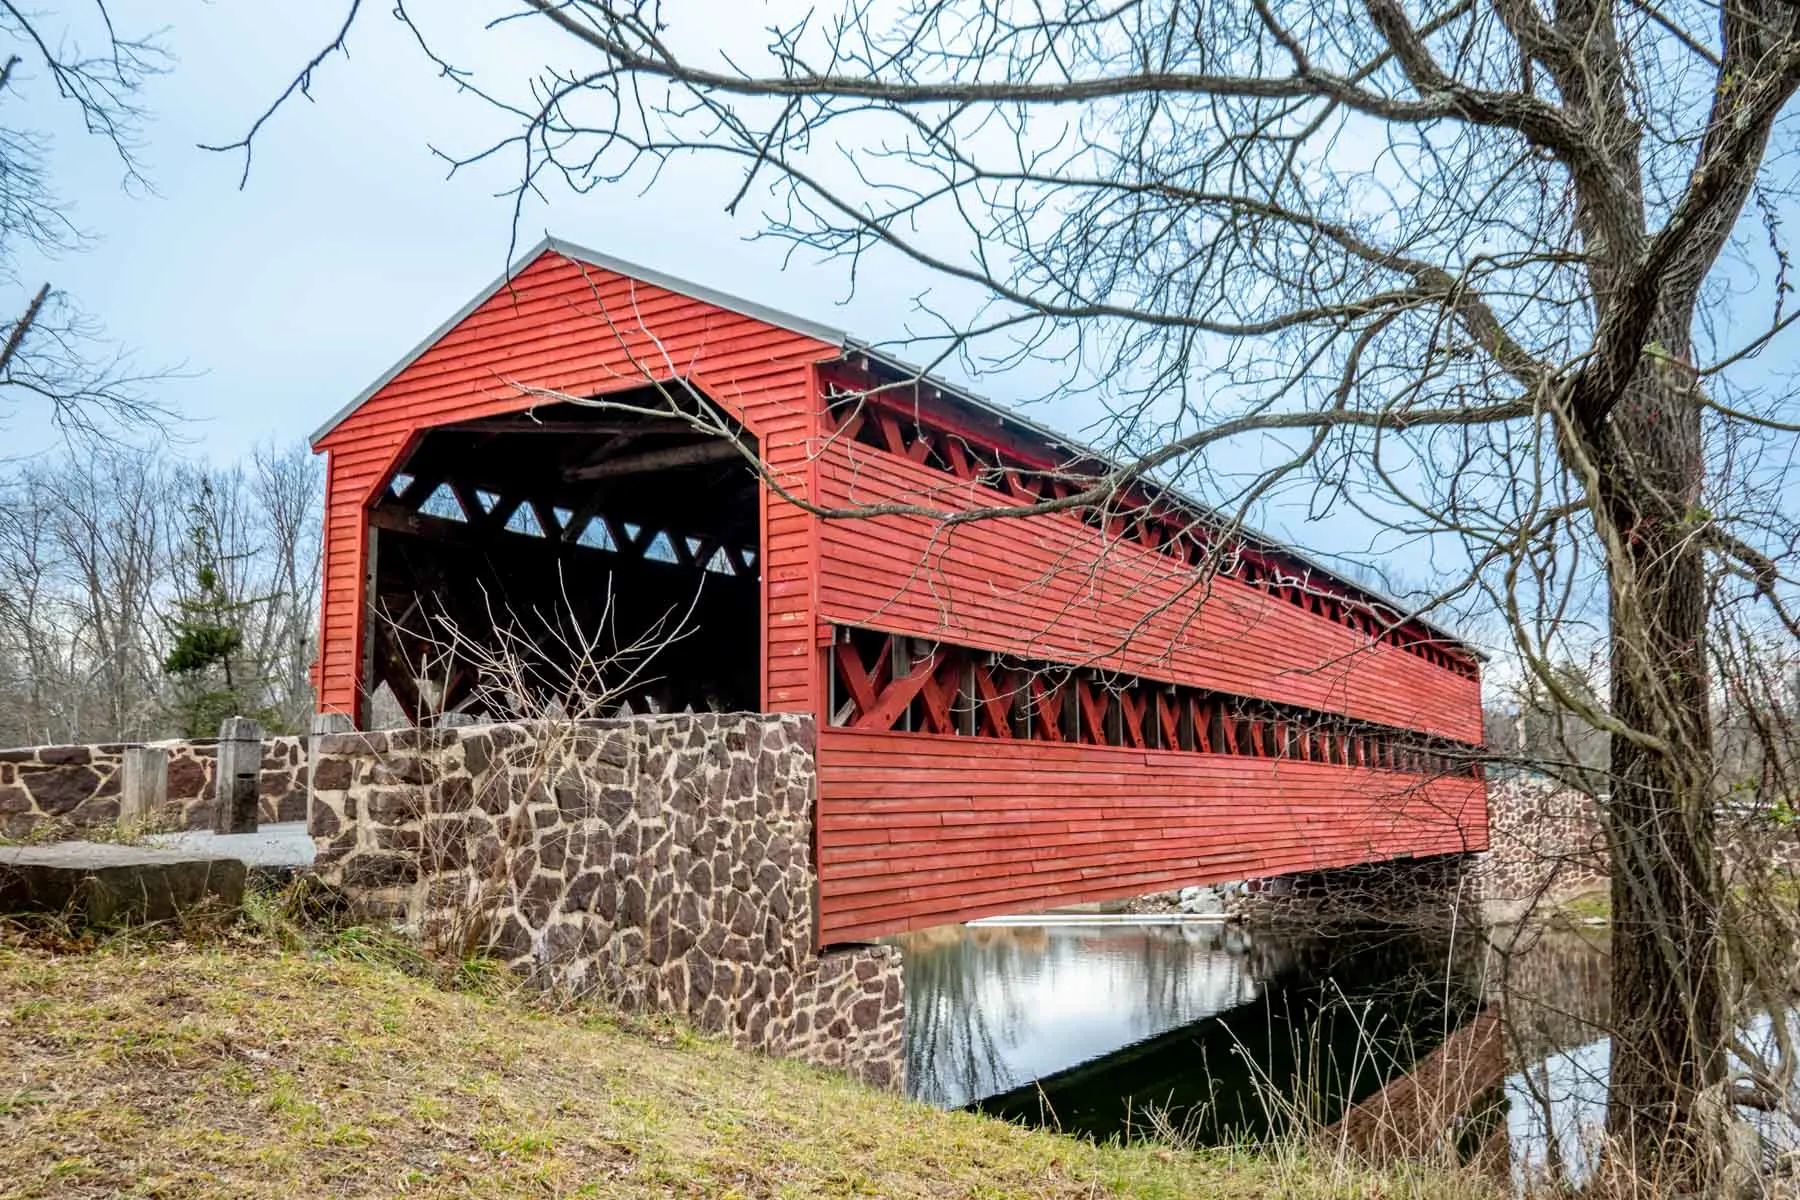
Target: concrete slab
282, 844
97, 883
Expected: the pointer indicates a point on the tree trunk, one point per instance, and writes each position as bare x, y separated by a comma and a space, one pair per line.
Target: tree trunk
1667, 999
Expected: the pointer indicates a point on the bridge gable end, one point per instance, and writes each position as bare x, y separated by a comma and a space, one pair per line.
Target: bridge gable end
570, 322
561, 324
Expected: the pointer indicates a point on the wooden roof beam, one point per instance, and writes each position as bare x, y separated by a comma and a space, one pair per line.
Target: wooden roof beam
568, 428
697, 454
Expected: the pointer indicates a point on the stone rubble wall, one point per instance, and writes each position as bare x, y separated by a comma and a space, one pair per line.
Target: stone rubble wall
1546, 844
77, 787
1433, 892
664, 864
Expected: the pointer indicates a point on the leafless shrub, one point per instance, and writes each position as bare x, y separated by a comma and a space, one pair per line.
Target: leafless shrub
541, 680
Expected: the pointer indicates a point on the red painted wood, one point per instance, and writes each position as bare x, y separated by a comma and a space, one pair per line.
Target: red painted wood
1151, 521
916, 830
574, 328
1051, 587
995, 722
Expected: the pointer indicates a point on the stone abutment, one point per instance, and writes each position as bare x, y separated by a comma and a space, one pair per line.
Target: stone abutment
663, 864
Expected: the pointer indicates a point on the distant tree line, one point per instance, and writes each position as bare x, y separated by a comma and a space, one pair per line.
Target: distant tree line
146, 595
1755, 715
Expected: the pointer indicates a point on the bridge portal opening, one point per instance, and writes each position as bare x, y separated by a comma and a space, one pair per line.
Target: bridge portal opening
576, 559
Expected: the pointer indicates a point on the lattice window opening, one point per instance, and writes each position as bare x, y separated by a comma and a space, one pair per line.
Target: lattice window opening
909, 685
443, 504
524, 521
596, 535
528, 518
661, 548
1137, 520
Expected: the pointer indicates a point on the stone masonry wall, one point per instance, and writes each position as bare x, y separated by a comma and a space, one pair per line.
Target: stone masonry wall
1546, 844
1431, 892
78, 786
661, 863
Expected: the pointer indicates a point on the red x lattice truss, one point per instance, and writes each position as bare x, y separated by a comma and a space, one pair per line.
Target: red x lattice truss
892, 683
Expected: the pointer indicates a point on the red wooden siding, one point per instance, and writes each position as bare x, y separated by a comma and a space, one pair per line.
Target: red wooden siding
582, 330
1051, 587
918, 830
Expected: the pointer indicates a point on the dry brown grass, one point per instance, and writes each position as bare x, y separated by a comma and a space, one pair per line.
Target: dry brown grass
172, 1069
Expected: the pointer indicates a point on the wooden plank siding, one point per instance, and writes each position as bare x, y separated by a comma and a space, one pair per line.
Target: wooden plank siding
583, 330
1051, 587
918, 830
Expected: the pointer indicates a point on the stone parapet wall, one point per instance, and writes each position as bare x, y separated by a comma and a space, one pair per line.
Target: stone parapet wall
77, 786
1544, 844
663, 864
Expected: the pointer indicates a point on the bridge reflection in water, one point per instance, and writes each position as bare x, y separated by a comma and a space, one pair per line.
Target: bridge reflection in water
1391, 1036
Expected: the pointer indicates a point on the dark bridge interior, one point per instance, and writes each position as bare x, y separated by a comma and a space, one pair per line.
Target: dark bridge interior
573, 559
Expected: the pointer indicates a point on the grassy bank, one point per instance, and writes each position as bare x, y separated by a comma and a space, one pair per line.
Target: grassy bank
239, 1070
1586, 910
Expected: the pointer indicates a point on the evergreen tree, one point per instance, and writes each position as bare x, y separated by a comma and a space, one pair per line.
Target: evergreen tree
204, 659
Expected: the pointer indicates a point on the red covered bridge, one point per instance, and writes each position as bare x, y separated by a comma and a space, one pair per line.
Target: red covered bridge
1012, 712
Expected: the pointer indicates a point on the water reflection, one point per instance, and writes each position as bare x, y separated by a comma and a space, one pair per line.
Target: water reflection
1089, 1029
1557, 1009
993, 1008
1558, 1004
1407, 1041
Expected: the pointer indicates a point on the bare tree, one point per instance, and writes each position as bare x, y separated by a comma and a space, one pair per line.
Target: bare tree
1491, 273
94, 559
33, 626
53, 354
114, 535
288, 487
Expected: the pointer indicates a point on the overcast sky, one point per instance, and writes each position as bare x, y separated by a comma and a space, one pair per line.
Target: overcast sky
347, 245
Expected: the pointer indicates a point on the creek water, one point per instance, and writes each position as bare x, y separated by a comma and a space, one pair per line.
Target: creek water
1128, 1030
